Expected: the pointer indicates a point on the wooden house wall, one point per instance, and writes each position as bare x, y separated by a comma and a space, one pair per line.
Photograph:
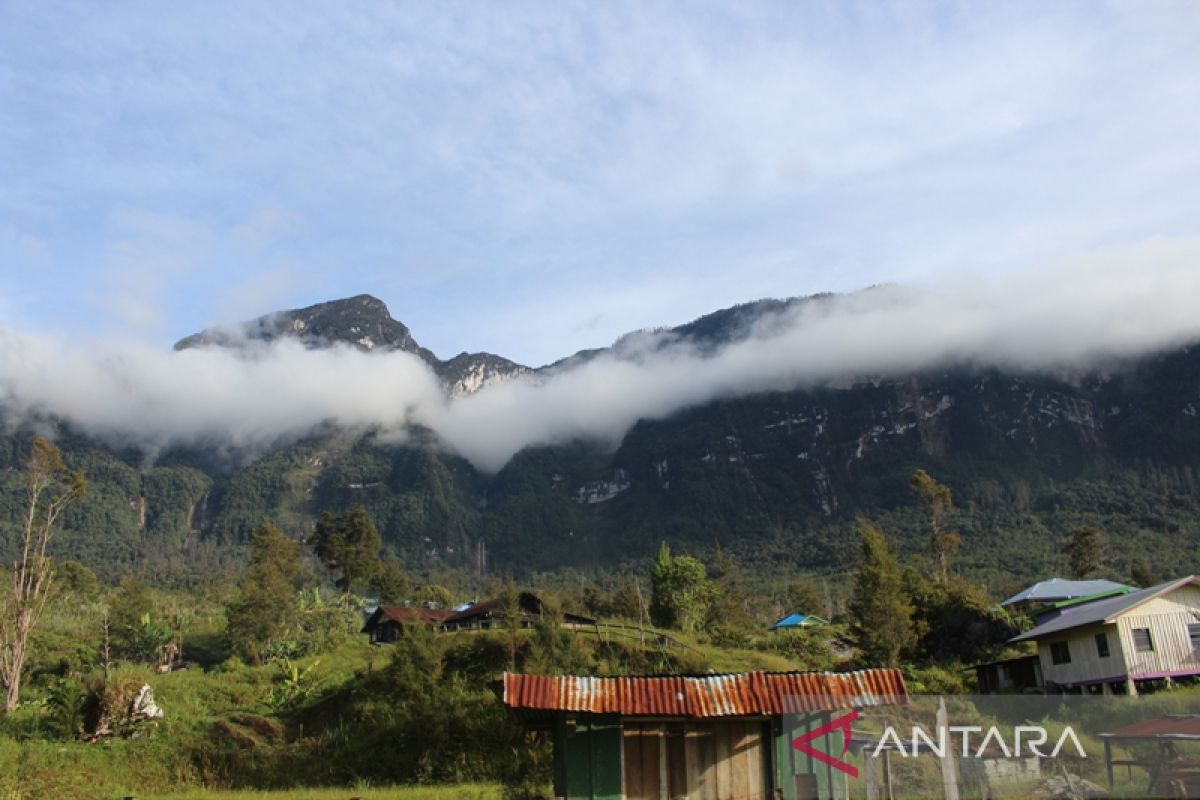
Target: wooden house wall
1167, 618
718, 760
1086, 663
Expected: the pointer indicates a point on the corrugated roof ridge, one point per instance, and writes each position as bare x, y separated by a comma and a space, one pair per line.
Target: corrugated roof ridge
729, 694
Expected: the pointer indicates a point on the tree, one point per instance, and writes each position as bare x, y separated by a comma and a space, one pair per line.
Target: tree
50, 488
348, 543
390, 583
938, 503
265, 608
804, 598
1084, 551
76, 581
554, 649
680, 591
626, 601
510, 611
137, 631
881, 612
956, 621
1140, 575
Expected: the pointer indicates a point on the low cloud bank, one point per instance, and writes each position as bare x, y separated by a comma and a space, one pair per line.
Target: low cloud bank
1069, 318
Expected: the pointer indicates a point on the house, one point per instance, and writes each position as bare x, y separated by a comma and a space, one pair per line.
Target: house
720, 736
489, 613
386, 624
798, 621
1111, 645
1017, 674
1054, 590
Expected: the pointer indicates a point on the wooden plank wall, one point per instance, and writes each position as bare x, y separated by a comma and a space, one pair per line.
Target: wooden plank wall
700, 761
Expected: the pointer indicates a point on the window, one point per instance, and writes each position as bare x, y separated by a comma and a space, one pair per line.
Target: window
1194, 635
1142, 641
1102, 645
1060, 653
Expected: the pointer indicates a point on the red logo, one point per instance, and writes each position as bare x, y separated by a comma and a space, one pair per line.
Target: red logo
842, 723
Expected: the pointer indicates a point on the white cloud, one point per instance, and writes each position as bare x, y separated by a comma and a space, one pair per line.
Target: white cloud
1109, 306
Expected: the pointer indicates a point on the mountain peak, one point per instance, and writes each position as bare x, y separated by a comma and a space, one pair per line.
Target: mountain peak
367, 304
362, 321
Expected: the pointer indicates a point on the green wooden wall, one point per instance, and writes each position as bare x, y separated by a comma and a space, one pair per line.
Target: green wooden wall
827, 782
587, 758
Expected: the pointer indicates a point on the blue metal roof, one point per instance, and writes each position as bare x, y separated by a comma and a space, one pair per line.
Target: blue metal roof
798, 621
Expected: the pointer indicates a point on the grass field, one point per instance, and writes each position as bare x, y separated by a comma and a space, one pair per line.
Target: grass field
465, 792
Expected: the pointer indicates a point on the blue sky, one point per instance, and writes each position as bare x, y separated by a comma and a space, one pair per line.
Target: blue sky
533, 179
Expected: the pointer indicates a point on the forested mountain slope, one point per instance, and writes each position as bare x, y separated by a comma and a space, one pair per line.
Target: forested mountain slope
773, 477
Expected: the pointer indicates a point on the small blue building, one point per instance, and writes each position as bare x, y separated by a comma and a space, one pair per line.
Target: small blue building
799, 621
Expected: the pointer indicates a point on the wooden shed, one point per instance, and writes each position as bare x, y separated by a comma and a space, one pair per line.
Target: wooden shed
712, 737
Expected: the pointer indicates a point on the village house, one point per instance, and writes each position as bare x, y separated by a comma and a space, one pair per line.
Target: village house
795, 621
719, 736
491, 613
386, 624
1111, 645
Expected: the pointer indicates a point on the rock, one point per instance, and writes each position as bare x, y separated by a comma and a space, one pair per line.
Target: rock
134, 719
1058, 787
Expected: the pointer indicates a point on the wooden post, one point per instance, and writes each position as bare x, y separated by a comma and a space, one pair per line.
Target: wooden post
949, 780
869, 768
1108, 761
887, 774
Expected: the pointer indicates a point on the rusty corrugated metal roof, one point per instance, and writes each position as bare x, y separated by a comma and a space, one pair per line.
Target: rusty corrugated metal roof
407, 614
1180, 726
737, 695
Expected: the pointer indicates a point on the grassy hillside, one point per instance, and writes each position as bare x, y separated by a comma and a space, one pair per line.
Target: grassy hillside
322, 720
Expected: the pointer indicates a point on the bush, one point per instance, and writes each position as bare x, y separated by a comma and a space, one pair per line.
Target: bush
811, 648
936, 680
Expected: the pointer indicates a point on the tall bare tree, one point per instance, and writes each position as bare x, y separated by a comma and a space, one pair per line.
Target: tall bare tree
938, 503
50, 488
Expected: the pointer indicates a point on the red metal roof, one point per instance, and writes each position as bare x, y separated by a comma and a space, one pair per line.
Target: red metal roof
405, 615
408, 614
739, 695
1182, 726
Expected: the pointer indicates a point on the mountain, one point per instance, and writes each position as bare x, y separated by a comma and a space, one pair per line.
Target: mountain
362, 322
774, 478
